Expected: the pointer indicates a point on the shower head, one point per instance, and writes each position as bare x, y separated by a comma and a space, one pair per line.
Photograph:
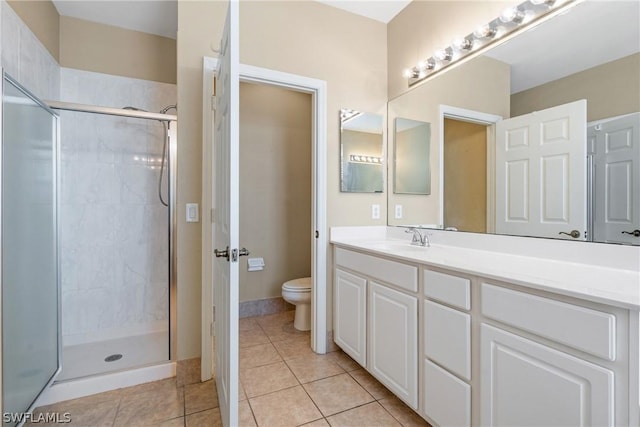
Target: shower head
169, 107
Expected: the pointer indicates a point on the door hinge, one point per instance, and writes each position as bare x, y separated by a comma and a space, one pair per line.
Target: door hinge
211, 330
317, 234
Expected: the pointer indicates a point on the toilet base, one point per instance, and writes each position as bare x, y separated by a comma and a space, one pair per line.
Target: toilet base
302, 319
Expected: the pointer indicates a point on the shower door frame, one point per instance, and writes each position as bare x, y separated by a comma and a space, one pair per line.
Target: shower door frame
172, 163
56, 225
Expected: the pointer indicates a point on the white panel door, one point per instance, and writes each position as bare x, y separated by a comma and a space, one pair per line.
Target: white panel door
393, 341
541, 173
350, 315
615, 146
226, 272
528, 384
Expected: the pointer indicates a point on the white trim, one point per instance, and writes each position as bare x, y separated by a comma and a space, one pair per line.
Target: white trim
206, 369
462, 114
67, 390
318, 90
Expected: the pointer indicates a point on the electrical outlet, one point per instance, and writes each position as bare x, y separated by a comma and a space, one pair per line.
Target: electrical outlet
375, 211
398, 212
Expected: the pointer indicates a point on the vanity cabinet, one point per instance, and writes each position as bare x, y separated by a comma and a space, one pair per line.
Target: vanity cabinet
522, 372
465, 350
350, 311
447, 348
376, 319
393, 332
526, 381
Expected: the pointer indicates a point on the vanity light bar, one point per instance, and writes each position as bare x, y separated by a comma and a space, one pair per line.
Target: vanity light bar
508, 23
356, 158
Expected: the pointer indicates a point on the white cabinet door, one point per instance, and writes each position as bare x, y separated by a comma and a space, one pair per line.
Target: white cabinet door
526, 383
393, 336
350, 315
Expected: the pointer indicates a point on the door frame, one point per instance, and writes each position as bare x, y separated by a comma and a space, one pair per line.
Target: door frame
464, 115
318, 91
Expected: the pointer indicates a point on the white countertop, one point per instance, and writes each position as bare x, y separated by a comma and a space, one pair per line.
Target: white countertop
592, 281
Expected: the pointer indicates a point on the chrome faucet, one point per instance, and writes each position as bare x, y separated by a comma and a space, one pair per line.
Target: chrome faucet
419, 238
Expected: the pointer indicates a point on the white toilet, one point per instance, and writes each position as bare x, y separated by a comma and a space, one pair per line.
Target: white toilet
298, 293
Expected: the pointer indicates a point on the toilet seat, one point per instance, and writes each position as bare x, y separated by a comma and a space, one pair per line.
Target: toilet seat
298, 285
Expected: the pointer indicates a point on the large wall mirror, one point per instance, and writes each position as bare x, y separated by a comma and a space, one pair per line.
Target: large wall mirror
361, 156
539, 136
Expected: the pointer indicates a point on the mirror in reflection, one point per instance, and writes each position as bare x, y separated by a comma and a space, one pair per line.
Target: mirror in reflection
412, 171
361, 163
557, 152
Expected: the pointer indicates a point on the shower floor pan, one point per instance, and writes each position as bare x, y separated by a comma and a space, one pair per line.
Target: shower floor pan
101, 357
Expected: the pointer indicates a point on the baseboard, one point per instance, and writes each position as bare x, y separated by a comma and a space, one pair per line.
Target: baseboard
264, 306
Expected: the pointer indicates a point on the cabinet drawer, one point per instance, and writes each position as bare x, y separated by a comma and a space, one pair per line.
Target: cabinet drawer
582, 328
395, 273
447, 338
447, 399
449, 289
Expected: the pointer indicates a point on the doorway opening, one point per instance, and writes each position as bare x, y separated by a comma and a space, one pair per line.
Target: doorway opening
276, 126
467, 183
316, 89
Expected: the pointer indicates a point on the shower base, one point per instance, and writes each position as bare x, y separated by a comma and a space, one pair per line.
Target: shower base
83, 360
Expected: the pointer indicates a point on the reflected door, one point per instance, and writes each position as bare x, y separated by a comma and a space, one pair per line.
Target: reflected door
226, 202
541, 173
616, 175
30, 284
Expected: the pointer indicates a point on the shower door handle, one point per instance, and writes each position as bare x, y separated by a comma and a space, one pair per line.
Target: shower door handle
222, 253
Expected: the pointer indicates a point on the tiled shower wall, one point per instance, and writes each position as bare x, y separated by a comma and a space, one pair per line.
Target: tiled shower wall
114, 231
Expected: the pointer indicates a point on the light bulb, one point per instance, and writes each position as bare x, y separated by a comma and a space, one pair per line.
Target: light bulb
513, 14
410, 73
443, 54
484, 32
545, 2
427, 64
463, 43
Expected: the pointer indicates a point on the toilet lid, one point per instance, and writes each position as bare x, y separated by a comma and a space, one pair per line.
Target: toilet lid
302, 284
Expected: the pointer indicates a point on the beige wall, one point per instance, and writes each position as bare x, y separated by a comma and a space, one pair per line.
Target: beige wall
199, 28
465, 176
89, 46
487, 92
425, 26
611, 89
300, 37
43, 20
275, 187
112, 50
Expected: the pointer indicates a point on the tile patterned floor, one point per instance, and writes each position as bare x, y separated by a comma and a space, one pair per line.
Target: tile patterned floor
282, 383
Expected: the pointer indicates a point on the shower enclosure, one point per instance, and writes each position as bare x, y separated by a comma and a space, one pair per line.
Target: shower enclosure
116, 198
87, 244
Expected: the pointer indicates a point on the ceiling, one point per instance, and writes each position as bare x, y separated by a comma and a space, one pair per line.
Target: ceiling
160, 17
593, 33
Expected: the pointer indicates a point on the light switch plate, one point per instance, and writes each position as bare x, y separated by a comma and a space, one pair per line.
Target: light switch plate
398, 212
192, 212
375, 211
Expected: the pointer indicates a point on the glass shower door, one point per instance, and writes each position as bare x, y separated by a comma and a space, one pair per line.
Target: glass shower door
29, 261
